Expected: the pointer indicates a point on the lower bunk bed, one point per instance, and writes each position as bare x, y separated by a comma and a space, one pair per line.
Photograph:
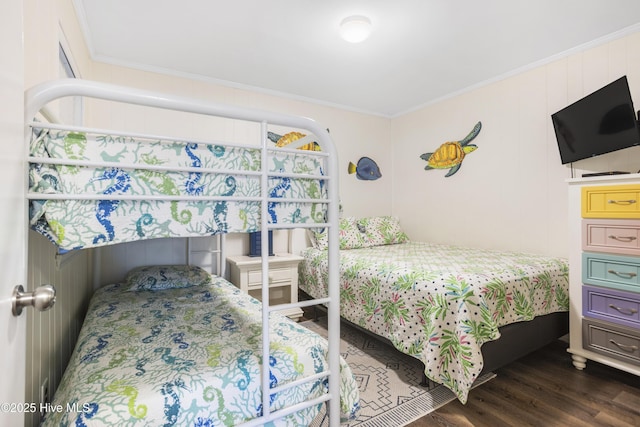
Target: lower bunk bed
174, 345
460, 311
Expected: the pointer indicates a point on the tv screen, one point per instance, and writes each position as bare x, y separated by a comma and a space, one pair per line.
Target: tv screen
599, 123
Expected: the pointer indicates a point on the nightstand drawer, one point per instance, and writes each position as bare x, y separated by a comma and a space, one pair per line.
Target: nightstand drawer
611, 201
611, 340
611, 305
277, 294
611, 271
275, 275
611, 236
246, 273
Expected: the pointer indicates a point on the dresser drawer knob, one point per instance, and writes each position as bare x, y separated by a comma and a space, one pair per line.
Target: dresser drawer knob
622, 274
628, 348
623, 310
622, 202
623, 238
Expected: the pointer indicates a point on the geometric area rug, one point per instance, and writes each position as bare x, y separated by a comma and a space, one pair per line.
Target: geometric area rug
389, 381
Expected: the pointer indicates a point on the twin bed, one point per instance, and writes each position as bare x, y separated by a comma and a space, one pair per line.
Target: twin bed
175, 345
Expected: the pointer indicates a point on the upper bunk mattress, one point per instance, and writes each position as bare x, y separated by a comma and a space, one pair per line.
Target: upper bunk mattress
130, 174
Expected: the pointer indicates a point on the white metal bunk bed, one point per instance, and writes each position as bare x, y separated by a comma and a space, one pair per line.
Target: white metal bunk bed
39, 96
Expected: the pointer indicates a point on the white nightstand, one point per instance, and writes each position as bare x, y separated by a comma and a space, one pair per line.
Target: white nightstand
246, 274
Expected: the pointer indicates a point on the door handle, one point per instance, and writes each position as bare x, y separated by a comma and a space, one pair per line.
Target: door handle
41, 299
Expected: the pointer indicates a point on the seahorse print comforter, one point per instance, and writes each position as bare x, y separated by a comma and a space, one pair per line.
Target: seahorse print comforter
188, 357
206, 170
440, 303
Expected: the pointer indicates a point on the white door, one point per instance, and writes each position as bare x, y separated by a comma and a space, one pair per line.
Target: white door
12, 214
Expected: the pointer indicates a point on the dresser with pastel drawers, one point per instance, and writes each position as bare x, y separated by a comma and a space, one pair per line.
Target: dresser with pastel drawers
604, 262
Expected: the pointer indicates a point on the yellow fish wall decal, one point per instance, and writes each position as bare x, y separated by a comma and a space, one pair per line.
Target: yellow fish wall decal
288, 138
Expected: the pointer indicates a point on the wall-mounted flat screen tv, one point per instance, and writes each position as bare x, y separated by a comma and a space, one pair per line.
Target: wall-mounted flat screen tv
599, 123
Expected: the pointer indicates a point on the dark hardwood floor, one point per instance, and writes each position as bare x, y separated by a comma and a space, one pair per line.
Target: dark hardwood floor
544, 389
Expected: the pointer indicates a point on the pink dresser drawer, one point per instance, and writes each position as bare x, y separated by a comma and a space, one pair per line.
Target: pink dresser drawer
611, 236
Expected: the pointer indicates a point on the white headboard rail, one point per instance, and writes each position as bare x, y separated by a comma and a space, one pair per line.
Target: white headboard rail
208, 252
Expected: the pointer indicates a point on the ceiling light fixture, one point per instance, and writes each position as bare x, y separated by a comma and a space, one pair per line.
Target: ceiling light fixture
355, 29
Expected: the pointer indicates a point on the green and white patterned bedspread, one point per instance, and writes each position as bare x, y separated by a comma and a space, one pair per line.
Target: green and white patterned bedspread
188, 357
225, 171
440, 303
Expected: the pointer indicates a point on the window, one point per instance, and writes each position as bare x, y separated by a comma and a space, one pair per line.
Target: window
65, 66
71, 110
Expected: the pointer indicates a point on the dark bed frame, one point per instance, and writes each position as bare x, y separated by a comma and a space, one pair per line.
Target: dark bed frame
521, 338
516, 339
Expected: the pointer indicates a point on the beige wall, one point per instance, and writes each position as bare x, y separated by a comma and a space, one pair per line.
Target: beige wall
354, 134
47, 24
511, 192
513, 179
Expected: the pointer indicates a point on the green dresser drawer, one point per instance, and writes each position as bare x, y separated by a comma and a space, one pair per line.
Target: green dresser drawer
611, 271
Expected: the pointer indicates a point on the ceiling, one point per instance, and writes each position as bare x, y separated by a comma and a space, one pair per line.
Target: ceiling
420, 51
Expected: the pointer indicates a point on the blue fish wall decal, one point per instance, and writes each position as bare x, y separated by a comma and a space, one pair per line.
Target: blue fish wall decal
366, 169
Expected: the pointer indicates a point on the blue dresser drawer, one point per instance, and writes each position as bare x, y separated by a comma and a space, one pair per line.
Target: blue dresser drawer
611, 271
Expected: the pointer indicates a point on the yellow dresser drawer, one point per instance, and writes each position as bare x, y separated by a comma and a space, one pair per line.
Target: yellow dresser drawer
611, 201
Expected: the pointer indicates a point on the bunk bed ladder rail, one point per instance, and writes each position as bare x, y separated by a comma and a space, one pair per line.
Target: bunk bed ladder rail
39, 96
333, 397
